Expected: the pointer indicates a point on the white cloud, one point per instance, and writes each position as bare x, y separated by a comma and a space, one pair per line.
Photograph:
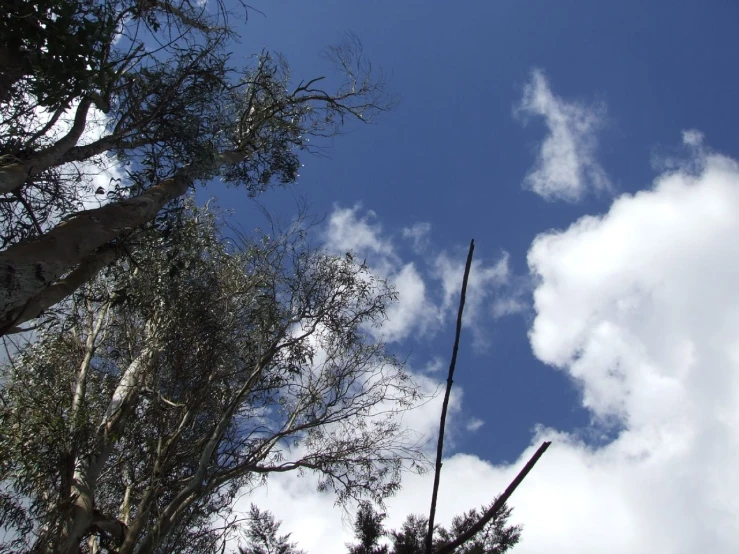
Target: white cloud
639, 306
347, 230
508, 306
99, 173
435, 365
418, 233
566, 166
692, 137
428, 295
474, 424
414, 312
687, 157
103, 171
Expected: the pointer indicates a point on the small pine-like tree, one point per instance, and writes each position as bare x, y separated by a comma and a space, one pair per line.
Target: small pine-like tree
368, 530
262, 535
496, 537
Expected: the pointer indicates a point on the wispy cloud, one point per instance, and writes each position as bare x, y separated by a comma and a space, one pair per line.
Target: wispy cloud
566, 167
428, 289
418, 233
474, 424
349, 229
489, 285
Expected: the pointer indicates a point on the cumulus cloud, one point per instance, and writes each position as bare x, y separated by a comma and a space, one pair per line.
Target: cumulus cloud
639, 306
566, 167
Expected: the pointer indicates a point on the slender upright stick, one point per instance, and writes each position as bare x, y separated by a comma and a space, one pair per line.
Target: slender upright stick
445, 405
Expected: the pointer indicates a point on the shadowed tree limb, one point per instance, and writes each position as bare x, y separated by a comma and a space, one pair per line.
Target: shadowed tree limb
57, 292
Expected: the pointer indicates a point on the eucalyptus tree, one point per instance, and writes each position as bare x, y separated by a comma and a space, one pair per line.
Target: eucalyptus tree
149, 88
184, 375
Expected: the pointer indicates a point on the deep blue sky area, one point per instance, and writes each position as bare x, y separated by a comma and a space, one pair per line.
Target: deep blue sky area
452, 153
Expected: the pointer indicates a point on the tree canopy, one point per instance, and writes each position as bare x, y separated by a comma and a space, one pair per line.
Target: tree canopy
152, 91
187, 372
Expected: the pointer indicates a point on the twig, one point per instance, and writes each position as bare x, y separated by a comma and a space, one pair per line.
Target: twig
445, 405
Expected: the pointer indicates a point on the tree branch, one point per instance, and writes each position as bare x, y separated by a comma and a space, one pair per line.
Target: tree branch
15, 174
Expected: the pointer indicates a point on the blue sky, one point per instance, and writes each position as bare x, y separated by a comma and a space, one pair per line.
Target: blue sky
588, 147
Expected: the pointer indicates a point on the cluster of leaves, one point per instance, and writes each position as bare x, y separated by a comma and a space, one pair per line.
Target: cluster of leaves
58, 57
149, 90
54, 49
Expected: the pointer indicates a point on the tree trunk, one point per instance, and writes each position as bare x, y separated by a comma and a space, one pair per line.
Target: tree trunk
83, 517
78, 524
29, 268
57, 292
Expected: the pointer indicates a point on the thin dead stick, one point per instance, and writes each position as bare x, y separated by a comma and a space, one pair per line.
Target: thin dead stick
497, 505
449, 381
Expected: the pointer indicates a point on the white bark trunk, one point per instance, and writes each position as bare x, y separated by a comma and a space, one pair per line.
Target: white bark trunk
86, 270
